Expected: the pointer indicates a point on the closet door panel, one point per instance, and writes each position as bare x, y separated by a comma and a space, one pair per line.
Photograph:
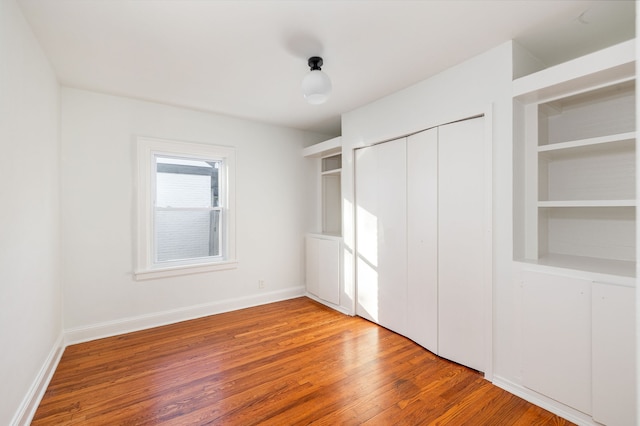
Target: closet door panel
366, 199
461, 242
382, 234
422, 239
392, 235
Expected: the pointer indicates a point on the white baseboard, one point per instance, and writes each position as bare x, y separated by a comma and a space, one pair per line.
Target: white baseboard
547, 403
142, 322
31, 400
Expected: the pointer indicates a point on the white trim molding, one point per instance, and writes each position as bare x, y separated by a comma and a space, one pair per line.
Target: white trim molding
184, 270
146, 267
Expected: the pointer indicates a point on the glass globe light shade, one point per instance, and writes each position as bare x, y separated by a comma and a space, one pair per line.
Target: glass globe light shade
316, 87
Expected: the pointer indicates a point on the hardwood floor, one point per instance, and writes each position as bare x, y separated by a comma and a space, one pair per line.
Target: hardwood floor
287, 363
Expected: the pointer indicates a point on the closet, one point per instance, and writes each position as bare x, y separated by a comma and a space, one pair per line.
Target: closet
422, 238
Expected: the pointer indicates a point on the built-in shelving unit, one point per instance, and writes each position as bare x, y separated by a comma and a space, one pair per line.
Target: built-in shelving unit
575, 232
332, 195
323, 245
579, 149
329, 154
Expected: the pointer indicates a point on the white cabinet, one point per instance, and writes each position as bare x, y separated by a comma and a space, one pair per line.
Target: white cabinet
579, 344
323, 267
423, 240
556, 355
614, 354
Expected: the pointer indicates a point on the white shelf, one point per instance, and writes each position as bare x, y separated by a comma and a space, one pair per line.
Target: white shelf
324, 149
588, 203
597, 142
613, 64
618, 268
333, 172
587, 171
325, 236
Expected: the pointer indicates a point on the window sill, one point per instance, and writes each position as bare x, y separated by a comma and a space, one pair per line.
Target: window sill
174, 271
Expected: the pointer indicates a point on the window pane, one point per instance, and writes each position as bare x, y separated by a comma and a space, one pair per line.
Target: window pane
184, 234
187, 183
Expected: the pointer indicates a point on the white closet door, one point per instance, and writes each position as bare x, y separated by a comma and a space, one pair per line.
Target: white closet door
462, 242
381, 232
422, 243
366, 165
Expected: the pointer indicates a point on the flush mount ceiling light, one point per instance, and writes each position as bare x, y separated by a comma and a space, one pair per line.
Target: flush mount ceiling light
316, 85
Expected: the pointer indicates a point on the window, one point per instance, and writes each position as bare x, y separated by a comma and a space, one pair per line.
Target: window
185, 208
187, 211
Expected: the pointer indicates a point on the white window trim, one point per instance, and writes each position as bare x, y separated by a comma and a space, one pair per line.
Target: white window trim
146, 149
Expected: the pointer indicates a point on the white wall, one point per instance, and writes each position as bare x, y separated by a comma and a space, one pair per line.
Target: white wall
462, 91
30, 295
97, 170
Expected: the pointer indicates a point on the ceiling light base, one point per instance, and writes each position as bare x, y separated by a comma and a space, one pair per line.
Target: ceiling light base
315, 62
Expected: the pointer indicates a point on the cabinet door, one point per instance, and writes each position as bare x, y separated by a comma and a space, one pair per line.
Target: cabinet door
312, 257
463, 243
329, 285
422, 243
614, 359
556, 322
381, 234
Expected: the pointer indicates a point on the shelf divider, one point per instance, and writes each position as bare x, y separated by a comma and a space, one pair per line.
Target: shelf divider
620, 137
620, 268
588, 203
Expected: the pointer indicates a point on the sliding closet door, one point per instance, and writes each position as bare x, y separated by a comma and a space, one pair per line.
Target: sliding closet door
462, 242
381, 234
422, 243
366, 200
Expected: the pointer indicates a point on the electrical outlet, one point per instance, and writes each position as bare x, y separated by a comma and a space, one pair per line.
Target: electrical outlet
260, 283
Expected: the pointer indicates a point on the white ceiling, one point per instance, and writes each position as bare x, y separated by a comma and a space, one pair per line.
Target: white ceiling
247, 58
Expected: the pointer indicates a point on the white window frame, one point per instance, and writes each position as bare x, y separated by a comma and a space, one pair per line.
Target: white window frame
147, 149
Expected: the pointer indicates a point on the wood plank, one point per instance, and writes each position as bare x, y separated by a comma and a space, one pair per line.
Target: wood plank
291, 362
